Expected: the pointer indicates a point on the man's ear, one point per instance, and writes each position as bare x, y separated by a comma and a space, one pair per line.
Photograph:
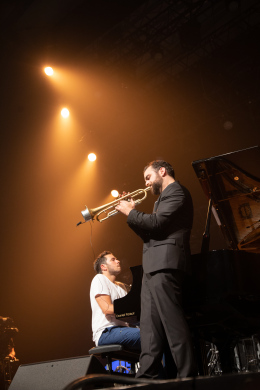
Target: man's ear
163, 172
103, 267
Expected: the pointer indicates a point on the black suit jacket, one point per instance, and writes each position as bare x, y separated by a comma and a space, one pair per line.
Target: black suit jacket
166, 232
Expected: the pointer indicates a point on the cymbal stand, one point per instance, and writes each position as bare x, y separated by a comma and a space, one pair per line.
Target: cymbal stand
214, 362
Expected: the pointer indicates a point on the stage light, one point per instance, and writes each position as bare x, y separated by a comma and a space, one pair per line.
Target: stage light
114, 193
158, 56
157, 53
48, 71
228, 125
227, 121
232, 5
92, 157
65, 113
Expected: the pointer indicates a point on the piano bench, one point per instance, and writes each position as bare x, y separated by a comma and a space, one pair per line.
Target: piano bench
116, 352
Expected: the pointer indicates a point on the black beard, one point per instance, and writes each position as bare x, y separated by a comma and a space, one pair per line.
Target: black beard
156, 187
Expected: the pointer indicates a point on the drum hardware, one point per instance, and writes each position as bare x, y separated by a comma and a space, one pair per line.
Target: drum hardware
250, 354
246, 357
214, 363
237, 359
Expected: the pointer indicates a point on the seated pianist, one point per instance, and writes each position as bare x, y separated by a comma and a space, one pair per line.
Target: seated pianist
103, 291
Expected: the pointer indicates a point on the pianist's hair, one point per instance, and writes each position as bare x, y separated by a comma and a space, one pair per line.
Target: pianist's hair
157, 164
101, 259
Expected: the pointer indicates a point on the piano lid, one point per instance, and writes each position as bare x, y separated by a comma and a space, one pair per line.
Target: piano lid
233, 182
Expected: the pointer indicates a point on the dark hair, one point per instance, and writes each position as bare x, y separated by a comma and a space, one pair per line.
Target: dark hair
101, 259
157, 164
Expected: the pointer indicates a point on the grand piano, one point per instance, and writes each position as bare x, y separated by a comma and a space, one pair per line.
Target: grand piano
222, 300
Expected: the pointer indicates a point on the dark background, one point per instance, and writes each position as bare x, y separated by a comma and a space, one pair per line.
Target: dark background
127, 108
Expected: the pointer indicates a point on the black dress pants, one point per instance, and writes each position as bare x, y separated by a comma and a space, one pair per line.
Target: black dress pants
163, 325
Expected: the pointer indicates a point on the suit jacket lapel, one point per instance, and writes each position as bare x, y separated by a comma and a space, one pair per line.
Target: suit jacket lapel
156, 204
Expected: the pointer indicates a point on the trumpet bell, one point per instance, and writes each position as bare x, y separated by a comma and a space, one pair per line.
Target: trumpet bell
86, 214
91, 214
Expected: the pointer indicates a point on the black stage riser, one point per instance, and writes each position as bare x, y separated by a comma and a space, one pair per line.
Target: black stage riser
242, 381
56, 374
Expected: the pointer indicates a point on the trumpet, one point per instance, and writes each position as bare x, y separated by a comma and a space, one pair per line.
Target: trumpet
92, 214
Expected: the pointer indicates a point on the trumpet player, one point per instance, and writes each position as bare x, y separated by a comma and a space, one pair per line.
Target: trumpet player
166, 263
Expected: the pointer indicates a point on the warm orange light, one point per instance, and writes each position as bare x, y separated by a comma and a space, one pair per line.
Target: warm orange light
115, 193
65, 113
48, 71
92, 157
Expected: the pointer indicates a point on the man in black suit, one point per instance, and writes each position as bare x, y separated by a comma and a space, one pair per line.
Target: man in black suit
166, 262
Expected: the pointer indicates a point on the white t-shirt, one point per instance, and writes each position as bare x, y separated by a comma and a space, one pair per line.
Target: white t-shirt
102, 285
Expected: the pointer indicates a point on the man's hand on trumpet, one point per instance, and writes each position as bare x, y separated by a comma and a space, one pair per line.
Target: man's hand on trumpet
125, 206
